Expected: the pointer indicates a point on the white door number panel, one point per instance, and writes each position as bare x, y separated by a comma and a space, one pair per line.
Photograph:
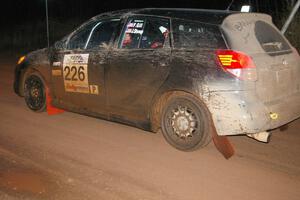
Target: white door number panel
75, 71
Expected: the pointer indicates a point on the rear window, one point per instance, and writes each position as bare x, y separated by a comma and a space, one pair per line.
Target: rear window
270, 39
188, 34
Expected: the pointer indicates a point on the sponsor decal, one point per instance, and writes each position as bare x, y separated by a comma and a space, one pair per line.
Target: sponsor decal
56, 72
56, 64
94, 89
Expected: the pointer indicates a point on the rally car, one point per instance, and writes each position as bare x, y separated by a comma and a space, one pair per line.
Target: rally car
188, 72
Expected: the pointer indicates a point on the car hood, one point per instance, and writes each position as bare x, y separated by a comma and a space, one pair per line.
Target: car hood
39, 56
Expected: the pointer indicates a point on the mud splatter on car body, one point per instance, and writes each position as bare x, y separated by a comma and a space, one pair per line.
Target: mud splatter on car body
132, 84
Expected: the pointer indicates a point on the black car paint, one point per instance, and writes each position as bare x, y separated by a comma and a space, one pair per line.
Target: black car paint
130, 92
37, 60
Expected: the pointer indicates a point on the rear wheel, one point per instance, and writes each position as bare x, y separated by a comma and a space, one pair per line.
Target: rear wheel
186, 123
35, 92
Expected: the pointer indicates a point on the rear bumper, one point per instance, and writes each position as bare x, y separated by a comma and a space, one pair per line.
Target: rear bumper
241, 112
288, 109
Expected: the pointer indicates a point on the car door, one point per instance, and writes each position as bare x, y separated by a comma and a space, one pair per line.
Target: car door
78, 70
139, 64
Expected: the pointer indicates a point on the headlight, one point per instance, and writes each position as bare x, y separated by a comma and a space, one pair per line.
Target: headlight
21, 59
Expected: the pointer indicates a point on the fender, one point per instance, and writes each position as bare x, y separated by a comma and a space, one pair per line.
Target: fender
177, 80
36, 60
176, 83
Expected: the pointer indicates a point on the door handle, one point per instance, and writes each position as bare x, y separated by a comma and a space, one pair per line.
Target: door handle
159, 63
102, 62
163, 64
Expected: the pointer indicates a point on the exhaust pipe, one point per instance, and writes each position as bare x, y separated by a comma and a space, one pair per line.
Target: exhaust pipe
262, 136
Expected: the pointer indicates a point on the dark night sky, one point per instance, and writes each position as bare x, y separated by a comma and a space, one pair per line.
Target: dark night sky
18, 11
14, 12
23, 26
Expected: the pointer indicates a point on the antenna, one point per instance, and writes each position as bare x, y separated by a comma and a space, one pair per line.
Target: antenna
232, 1
290, 18
47, 22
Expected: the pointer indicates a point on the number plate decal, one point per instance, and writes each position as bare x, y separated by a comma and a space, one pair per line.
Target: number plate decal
75, 71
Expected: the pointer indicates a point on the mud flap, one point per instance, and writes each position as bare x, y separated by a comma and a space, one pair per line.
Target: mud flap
51, 110
222, 144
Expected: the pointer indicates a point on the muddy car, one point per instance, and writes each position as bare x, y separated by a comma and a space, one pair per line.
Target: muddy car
189, 72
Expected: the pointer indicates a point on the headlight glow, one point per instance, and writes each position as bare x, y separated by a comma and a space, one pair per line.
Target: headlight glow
21, 59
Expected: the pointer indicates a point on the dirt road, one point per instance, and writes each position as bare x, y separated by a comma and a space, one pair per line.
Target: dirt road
70, 156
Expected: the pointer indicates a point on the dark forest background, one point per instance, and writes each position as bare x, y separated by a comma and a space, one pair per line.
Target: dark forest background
23, 22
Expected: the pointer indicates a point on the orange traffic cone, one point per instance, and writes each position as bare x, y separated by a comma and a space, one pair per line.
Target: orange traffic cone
51, 110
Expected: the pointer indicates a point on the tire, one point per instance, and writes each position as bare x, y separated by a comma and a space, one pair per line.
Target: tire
35, 92
186, 123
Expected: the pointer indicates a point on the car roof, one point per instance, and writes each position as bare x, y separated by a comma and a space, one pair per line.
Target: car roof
201, 15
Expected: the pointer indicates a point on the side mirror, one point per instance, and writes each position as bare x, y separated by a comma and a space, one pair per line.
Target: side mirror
104, 45
60, 44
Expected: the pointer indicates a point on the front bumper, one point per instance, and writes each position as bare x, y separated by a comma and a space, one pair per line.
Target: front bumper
241, 112
17, 75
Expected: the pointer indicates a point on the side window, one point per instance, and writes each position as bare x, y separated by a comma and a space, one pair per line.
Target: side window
156, 33
196, 35
78, 40
133, 33
149, 33
93, 35
101, 34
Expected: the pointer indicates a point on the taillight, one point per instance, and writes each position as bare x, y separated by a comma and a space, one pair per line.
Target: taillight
237, 63
295, 50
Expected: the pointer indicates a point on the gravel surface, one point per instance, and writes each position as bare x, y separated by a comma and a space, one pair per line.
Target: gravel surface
70, 156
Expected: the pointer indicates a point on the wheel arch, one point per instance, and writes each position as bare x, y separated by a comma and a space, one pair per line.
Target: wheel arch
160, 101
20, 77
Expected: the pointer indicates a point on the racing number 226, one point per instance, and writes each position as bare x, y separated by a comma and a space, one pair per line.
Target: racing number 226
74, 73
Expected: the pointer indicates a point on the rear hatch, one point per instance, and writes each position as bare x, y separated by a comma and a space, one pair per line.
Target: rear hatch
277, 62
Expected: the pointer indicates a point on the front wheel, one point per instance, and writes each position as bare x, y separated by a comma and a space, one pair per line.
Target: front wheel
35, 92
186, 123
